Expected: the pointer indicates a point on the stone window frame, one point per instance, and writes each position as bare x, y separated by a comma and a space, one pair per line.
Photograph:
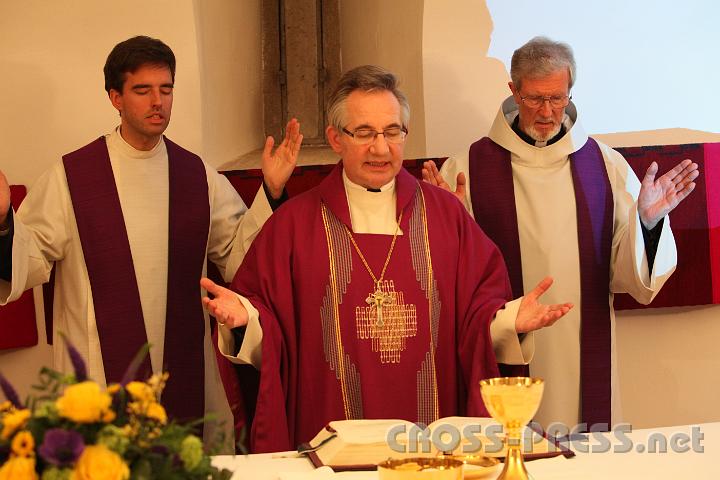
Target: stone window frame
296, 82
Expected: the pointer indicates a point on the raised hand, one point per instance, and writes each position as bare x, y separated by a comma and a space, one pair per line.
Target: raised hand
533, 315
278, 166
659, 197
226, 307
431, 174
4, 199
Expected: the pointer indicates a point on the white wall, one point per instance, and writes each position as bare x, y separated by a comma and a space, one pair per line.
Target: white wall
53, 99
389, 34
52, 55
641, 65
463, 86
230, 45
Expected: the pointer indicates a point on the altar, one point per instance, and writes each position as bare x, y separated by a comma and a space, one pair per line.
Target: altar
686, 451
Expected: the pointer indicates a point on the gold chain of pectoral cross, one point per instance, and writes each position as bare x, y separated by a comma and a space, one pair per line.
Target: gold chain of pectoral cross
387, 321
377, 297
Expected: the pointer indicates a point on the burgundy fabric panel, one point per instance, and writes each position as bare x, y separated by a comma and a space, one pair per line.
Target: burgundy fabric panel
692, 282
189, 223
18, 328
493, 200
247, 182
711, 172
17, 195
17, 323
106, 248
594, 204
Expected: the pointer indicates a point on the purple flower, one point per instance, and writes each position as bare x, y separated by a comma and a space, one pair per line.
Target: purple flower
61, 447
132, 370
77, 363
160, 450
9, 392
76, 359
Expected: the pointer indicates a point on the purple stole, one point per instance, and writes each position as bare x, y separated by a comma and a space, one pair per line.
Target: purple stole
493, 201
118, 312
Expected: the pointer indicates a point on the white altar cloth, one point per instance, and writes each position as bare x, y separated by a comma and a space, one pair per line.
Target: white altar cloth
700, 460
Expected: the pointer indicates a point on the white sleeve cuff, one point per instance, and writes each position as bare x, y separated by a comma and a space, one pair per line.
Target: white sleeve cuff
251, 348
506, 344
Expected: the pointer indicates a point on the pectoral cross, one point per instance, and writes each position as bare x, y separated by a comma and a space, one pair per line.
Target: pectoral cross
378, 298
387, 320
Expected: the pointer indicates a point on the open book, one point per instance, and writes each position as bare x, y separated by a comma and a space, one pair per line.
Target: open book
362, 444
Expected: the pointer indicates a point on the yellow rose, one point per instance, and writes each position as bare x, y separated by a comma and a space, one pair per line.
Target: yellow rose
141, 391
156, 412
130, 429
14, 421
84, 403
157, 382
135, 408
23, 444
19, 468
98, 462
108, 416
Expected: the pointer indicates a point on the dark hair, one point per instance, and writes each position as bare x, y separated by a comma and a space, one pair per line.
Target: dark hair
366, 78
133, 53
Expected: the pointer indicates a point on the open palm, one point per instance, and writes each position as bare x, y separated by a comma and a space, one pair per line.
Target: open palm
432, 175
533, 315
658, 197
225, 305
278, 166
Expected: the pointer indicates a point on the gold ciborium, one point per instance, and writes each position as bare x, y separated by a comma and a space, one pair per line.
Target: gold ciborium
512, 401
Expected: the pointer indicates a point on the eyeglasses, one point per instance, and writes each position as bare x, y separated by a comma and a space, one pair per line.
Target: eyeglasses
366, 136
556, 101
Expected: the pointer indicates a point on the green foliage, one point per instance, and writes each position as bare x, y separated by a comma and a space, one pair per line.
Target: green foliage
130, 428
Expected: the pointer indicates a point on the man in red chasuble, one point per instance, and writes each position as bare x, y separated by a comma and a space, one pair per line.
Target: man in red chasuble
371, 295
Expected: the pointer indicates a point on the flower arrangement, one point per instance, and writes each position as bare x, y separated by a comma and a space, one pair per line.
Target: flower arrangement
72, 429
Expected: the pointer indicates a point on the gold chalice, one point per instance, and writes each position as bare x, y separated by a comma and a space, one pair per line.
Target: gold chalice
512, 401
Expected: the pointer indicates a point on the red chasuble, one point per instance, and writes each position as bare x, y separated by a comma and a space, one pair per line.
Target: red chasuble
118, 312
326, 357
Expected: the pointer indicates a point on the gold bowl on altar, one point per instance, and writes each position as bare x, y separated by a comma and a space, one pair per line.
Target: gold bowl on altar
476, 466
424, 468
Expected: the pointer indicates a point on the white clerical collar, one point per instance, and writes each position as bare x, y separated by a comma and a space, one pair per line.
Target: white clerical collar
349, 184
567, 123
371, 212
129, 151
501, 132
